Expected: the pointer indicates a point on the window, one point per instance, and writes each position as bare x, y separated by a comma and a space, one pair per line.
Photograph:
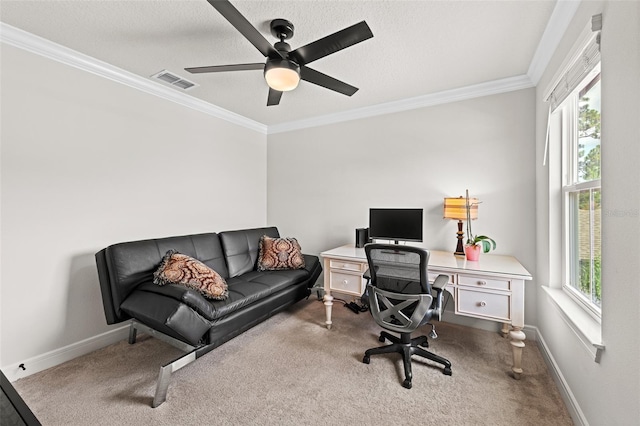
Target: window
581, 191
572, 154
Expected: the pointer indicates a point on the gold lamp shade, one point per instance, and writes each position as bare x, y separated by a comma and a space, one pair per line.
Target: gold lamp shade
456, 209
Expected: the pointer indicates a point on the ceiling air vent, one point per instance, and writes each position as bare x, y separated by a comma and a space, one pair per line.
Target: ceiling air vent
174, 80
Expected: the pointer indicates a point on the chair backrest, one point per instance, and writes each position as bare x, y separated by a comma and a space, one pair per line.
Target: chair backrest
399, 289
393, 267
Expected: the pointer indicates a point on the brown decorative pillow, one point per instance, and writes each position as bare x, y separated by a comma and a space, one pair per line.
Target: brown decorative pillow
279, 253
177, 268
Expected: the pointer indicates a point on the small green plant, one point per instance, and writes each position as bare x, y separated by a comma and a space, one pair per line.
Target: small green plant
487, 243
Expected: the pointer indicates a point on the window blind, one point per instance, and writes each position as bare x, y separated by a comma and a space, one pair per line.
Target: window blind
583, 61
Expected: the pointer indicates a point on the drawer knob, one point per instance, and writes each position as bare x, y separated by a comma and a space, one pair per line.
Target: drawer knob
345, 282
482, 283
483, 303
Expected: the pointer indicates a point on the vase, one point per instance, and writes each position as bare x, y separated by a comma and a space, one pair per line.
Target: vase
472, 252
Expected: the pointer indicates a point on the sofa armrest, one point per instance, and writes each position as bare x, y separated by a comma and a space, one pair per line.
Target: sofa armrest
167, 315
313, 266
190, 297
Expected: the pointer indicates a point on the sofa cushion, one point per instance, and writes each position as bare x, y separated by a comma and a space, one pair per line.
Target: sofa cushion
124, 266
279, 254
244, 290
177, 268
241, 248
253, 286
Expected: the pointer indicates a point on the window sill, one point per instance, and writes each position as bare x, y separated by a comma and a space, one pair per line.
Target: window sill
587, 328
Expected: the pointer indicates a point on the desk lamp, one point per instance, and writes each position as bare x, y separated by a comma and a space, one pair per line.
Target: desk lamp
455, 208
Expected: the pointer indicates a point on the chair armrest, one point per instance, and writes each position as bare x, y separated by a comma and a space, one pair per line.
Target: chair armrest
364, 299
438, 286
367, 274
440, 282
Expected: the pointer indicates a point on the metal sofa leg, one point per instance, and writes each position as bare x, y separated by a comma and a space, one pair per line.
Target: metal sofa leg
165, 376
133, 332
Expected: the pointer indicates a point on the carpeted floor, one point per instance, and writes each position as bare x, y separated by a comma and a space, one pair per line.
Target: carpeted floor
292, 370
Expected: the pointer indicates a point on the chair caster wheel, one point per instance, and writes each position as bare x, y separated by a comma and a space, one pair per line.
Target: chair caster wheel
447, 371
406, 384
366, 359
381, 339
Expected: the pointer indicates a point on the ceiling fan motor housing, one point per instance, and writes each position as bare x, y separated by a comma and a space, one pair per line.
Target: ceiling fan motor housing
282, 46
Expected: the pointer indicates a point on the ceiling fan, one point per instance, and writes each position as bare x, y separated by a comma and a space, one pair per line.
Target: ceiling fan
284, 68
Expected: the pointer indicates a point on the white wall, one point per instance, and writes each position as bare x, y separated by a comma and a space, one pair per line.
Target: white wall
86, 163
323, 180
607, 393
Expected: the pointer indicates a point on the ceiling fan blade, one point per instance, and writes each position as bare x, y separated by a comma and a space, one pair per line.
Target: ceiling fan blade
274, 97
221, 68
241, 24
316, 77
331, 43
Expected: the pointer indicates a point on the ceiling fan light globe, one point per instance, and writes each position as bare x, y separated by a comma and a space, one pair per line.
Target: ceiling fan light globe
282, 76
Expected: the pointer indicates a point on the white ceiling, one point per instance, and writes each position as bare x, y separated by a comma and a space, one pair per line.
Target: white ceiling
419, 47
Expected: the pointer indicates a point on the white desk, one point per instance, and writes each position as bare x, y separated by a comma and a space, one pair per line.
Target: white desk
491, 288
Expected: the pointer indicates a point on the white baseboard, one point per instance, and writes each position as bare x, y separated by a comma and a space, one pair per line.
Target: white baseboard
565, 391
64, 354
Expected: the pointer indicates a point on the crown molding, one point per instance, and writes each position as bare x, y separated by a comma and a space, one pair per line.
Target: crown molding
558, 23
560, 19
495, 87
43, 47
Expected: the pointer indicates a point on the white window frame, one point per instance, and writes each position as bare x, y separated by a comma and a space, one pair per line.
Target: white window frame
568, 110
581, 319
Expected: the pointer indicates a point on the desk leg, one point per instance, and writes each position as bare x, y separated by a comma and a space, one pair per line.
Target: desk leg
517, 344
505, 329
328, 303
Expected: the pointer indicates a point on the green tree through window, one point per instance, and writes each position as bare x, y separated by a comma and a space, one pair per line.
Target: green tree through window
589, 210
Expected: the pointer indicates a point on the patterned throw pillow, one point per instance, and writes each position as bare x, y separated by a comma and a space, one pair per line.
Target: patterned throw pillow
177, 268
279, 253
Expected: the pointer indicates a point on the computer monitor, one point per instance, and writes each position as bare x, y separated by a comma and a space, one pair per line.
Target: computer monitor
395, 224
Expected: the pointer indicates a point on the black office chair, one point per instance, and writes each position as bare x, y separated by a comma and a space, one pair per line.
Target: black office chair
400, 299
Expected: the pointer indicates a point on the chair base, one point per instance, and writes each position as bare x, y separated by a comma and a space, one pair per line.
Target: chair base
406, 346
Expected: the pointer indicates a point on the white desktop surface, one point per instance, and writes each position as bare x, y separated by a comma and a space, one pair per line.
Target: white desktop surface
500, 265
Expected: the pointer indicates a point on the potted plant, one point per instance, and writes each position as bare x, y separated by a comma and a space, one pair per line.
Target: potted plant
476, 242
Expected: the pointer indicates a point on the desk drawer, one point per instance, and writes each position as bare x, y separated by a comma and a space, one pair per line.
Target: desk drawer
484, 282
434, 275
346, 265
347, 283
483, 304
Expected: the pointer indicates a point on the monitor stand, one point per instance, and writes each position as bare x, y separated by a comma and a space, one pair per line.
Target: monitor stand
396, 252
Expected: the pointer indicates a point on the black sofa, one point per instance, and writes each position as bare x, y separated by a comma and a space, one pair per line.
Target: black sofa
182, 316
